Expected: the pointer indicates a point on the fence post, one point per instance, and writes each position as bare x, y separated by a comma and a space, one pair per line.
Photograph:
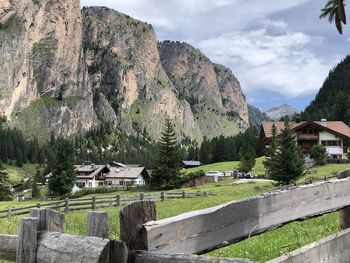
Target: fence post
9, 212
183, 194
162, 196
93, 203
132, 218
344, 217
142, 196
118, 251
27, 240
38, 205
117, 200
48, 219
97, 224
205, 194
66, 204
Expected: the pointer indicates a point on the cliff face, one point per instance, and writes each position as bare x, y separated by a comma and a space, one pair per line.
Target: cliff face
40, 60
63, 71
127, 75
213, 91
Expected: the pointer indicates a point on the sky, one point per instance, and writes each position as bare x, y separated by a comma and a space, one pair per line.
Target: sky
281, 52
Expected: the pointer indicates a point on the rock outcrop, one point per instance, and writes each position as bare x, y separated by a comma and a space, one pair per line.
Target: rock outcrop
43, 81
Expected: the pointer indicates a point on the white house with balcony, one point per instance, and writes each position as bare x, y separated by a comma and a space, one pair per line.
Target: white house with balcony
331, 134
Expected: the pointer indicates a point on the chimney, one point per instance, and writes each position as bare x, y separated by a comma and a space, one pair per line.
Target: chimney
324, 122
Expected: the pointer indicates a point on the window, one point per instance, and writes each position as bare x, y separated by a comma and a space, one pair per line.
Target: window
331, 143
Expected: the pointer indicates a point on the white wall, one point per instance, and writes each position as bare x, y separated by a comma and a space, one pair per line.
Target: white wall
326, 136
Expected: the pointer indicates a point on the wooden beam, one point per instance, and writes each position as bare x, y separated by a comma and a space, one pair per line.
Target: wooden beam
152, 257
334, 248
204, 230
58, 247
97, 225
49, 219
8, 245
119, 252
132, 217
27, 240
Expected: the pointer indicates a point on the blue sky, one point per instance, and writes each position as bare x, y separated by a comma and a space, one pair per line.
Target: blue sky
281, 52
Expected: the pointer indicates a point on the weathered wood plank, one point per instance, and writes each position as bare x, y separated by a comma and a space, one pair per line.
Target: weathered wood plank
8, 244
97, 225
203, 230
119, 252
49, 220
152, 257
132, 217
27, 240
63, 248
335, 249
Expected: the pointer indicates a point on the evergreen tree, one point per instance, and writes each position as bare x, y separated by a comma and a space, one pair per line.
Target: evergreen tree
168, 165
271, 150
205, 151
287, 164
247, 159
319, 154
35, 188
62, 164
5, 193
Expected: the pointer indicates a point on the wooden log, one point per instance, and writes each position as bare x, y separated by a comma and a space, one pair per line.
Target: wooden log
8, 244
49, 220
63, 248
152, 257
132, 217
344, 217
334, 248
119, 252
203, 230
97, 225
27, 240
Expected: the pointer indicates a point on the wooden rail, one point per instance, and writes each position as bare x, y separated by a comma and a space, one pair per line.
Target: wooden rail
203, 230
93, 202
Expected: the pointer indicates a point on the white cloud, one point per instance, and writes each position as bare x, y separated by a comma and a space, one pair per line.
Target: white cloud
280, 63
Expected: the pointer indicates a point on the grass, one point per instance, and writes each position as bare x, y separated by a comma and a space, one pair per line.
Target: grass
17, 174
258, 169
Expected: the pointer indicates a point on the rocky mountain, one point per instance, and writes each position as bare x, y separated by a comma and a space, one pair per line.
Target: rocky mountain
277, 112
63, 70
332, 102
256, 117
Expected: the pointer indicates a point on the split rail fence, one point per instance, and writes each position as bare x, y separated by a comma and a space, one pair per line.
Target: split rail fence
93, 203
182, 238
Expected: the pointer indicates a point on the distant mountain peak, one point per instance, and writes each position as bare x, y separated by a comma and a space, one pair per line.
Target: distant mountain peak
276, 113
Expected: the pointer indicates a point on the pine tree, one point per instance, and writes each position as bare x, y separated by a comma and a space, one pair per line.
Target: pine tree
168, 164
247, 159
319, 154
62, 164
5, 193
271, 150
287, 164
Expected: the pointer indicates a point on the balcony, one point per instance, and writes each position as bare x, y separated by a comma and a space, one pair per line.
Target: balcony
308, 137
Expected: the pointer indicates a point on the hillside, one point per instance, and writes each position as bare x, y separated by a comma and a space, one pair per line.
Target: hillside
64, 71
256, 117
277, 112
333, 99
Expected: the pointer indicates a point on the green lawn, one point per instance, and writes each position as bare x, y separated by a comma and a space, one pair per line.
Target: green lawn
17, 174
230, 166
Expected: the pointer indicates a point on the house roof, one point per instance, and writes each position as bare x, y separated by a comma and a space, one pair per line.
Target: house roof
192, 163
93, 170
126, 173
117, 164
337, 127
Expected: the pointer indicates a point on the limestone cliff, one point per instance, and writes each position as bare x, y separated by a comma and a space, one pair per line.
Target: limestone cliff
43, 82
213, 91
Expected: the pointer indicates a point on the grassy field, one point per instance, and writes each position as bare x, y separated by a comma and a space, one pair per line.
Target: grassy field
17, 174
259, 248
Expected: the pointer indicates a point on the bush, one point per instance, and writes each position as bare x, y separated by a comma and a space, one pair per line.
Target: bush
319, 154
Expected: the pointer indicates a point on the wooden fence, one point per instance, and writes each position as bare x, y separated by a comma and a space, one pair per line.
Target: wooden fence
92, 203
179, 238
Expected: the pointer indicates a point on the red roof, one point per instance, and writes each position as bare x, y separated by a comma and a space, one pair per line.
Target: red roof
337, 127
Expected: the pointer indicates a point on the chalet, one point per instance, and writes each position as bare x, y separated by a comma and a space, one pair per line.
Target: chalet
91, 175
331, 134
127, 176
191, 164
